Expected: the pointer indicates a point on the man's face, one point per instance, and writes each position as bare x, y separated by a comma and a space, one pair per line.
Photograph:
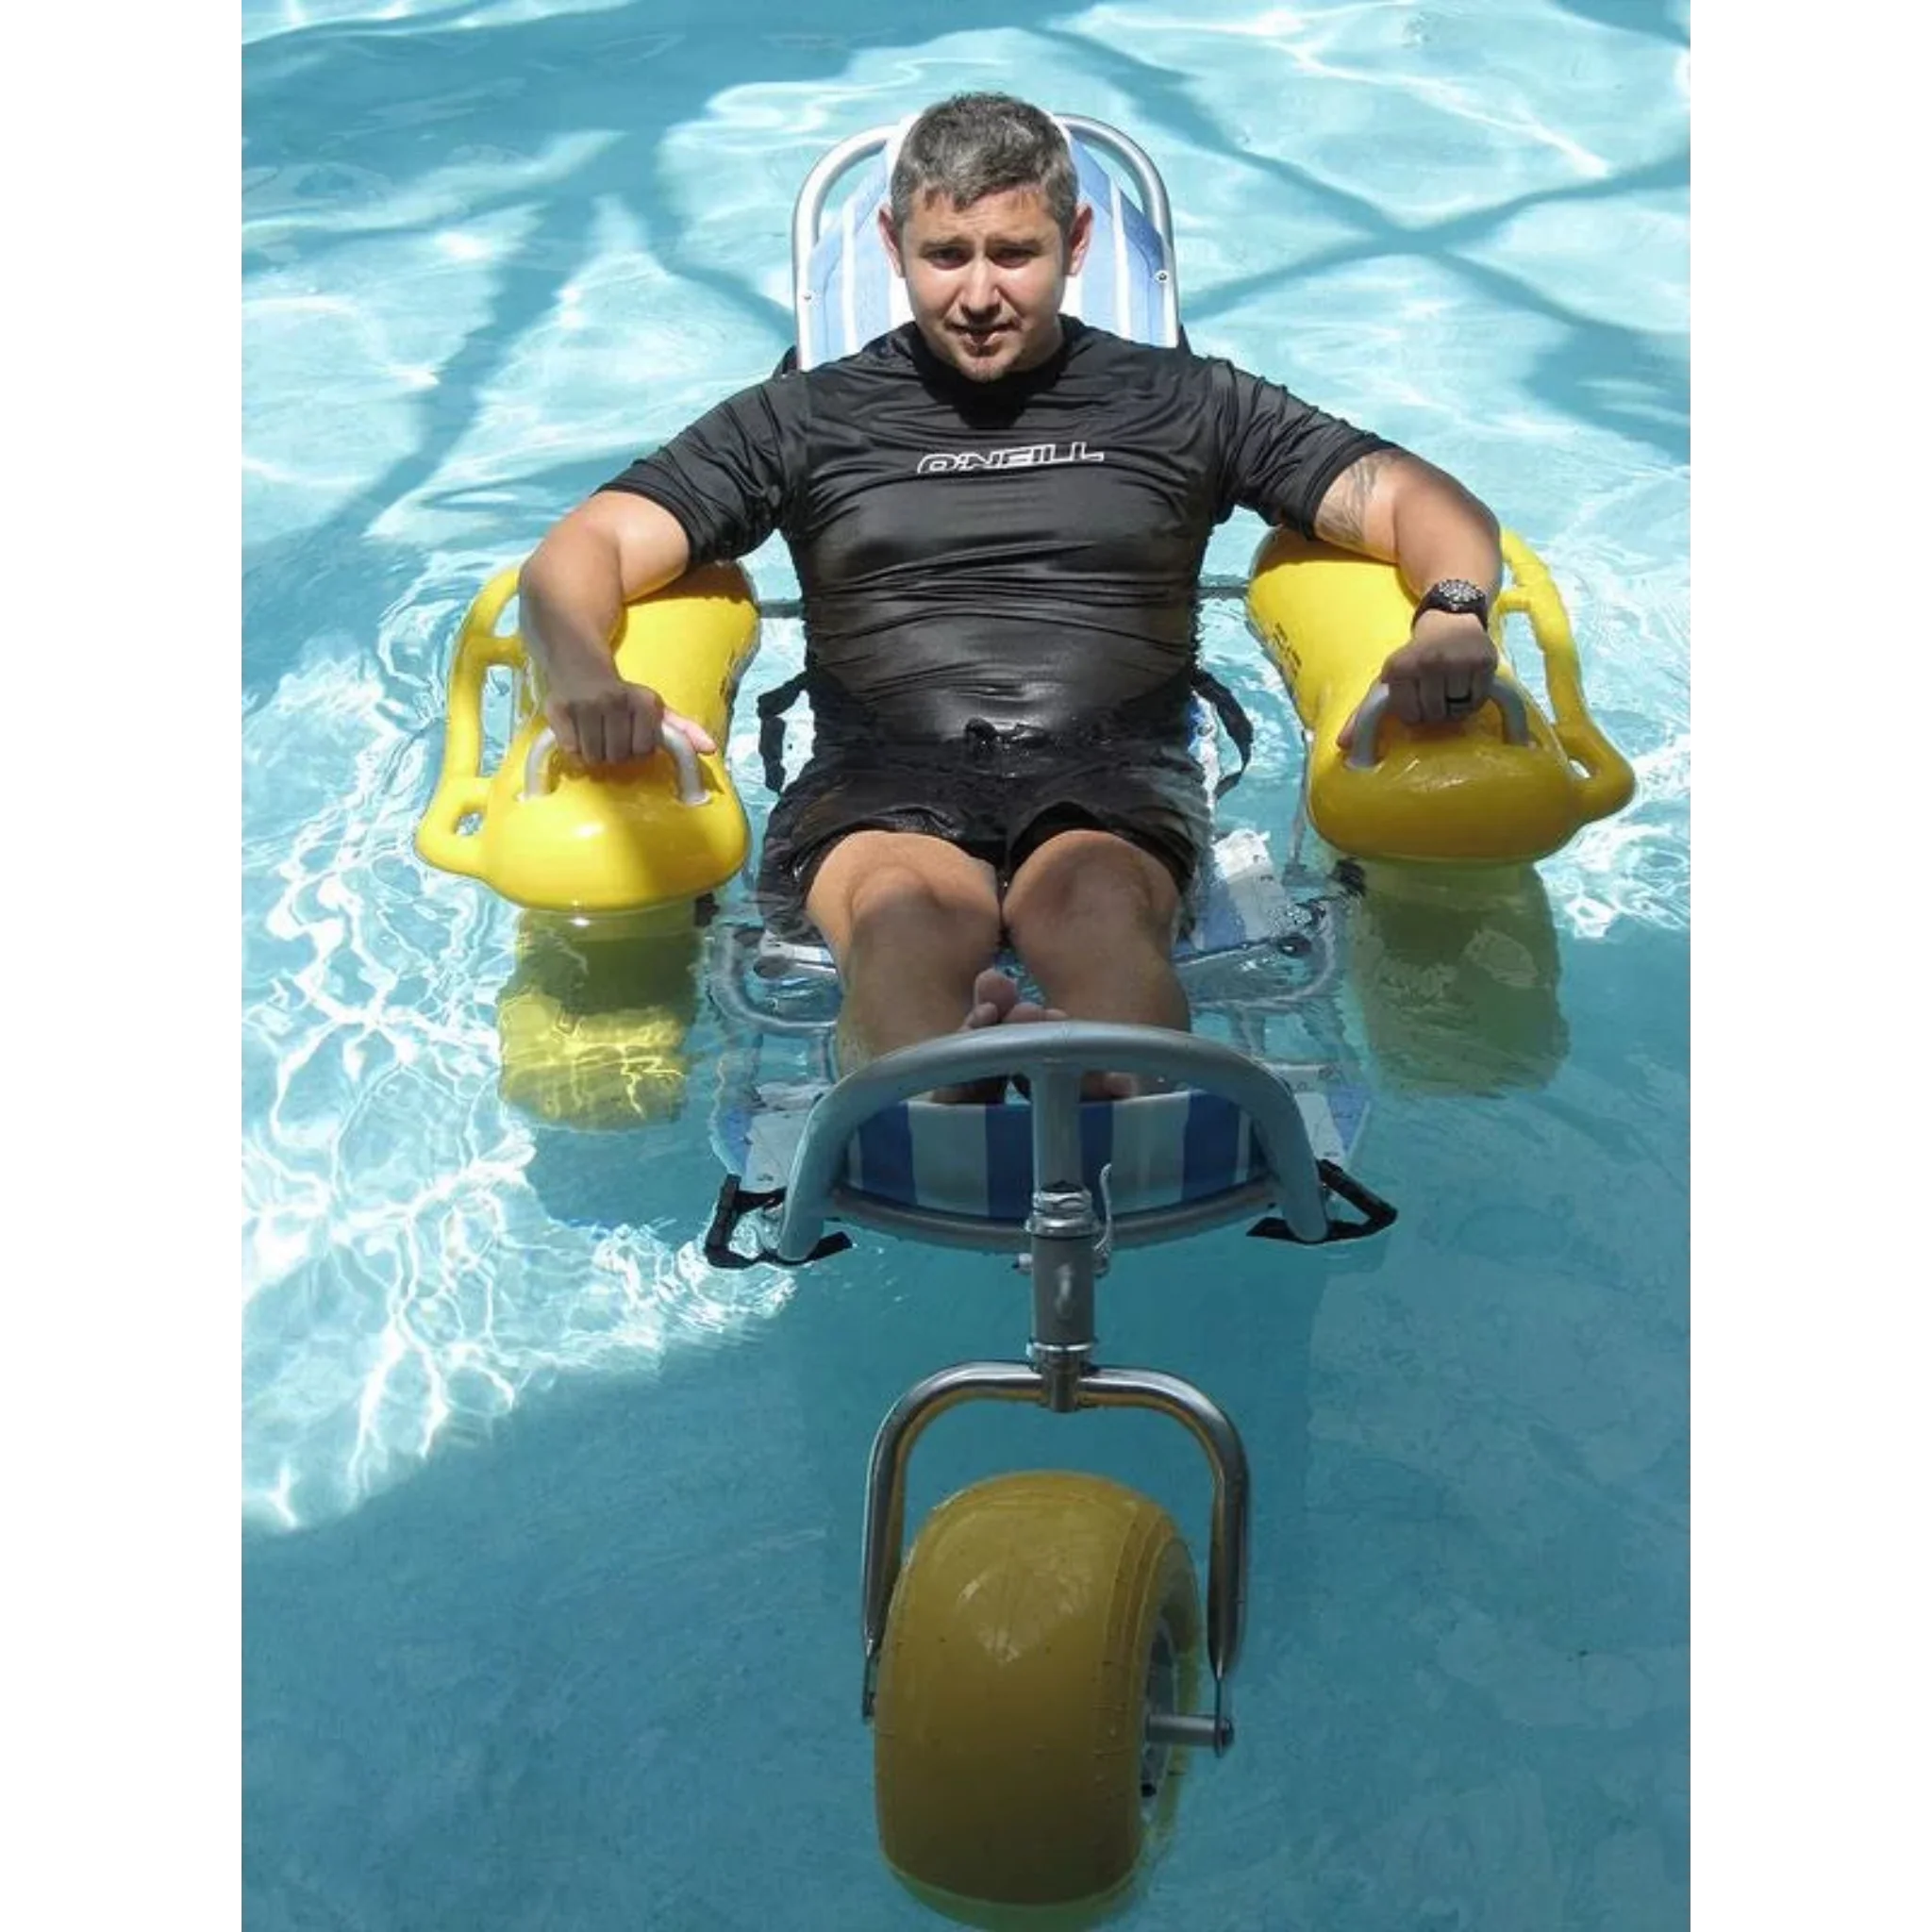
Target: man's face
985, 281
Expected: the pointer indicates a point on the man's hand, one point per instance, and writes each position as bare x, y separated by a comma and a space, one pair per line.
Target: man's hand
572, 595
601, 721
1442, 675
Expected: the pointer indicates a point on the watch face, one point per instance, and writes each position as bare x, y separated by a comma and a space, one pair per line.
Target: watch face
1457, 595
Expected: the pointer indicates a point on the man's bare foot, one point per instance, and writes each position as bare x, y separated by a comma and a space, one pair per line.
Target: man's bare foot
995, 996
995, 999
996, 1002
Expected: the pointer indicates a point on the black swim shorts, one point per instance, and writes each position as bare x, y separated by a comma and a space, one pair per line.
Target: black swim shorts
998, 793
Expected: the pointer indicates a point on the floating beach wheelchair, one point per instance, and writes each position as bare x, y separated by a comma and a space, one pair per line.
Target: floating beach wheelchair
1039, 1664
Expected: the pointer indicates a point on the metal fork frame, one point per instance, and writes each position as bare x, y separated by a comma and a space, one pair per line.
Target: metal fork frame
1069, 1247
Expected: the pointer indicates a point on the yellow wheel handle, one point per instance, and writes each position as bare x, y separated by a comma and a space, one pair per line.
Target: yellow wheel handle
1607, 782
464, 787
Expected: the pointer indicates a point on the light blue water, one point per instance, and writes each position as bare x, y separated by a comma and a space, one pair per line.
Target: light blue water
553, 1533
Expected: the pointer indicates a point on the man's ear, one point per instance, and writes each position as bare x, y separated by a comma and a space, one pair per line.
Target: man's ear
1078, 236
889, 238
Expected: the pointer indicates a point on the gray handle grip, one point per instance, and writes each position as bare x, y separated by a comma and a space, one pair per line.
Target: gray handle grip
690, 783
1505, 693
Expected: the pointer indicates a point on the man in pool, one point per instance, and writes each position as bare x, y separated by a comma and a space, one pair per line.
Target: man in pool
998, 516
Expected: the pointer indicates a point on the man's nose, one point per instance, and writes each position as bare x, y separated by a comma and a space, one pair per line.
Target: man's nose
979, 292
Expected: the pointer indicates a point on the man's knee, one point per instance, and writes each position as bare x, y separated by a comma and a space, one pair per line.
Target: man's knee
896, 889
1083, 887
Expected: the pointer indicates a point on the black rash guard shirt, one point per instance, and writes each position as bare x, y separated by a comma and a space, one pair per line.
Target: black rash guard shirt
1025, 551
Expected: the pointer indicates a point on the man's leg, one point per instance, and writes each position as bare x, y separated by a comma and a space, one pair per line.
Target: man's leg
911, 921
1094, 917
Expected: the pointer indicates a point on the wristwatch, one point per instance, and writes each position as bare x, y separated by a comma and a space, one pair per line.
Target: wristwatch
1458, 596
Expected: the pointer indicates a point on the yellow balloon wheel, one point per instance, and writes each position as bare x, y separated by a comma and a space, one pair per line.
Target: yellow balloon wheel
1038, 1620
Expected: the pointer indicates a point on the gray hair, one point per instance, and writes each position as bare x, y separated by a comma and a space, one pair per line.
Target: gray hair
973, 145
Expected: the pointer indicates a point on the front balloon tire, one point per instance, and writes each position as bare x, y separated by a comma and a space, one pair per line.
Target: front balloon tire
1037, 1622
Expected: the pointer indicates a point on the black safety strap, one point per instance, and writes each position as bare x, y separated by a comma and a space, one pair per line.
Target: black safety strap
1234, 721
1377, 1214
734, 1204
772, 705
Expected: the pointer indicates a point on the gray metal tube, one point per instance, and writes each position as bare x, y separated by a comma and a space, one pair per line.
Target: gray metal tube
1186, 1060
1227, 1458
922, 1404
1146, 1228
1154, 203
884, 1492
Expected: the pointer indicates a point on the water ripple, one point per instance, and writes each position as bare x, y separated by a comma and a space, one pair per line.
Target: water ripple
470, 296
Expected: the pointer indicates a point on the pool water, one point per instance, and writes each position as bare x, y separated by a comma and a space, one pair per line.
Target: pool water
552, 1531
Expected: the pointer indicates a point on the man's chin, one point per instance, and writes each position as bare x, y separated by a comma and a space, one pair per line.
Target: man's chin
983, 365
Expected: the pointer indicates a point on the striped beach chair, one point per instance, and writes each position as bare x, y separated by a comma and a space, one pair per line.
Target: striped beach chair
1261, 1130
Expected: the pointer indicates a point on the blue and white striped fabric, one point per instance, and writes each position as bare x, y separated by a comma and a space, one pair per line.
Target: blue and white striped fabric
855, 296
1165, 1150
1119, 285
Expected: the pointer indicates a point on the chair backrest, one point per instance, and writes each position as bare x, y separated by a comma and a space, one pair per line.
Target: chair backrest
844, 291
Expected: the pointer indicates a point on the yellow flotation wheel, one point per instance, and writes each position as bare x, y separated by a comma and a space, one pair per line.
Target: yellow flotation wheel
548, 834
612, 870
1038, 1620
1509, 788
